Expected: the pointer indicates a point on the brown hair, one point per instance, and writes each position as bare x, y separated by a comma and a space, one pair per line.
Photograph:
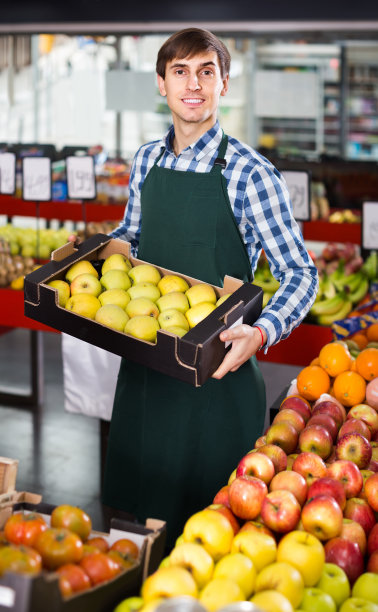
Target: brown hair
191, 42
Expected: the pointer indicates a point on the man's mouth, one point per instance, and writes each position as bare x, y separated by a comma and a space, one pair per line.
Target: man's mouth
193, 101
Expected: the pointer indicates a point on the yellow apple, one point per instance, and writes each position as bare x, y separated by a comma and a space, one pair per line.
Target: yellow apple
142, 327
240, 569
222, 299
220, 592
150, 606
80, 267
84, 304
197, 313
305, 552
176, 330
142, 306
170, 317
130, 604
86, 283
232, 476
116, 261
115, 279
145, 273
169, 581
272, 601
171, 282
63, 290
165, 562
175, 299
211, 529
283, 577
112, 316
201, 293
120, 297
194, 558
147, 290
259, 547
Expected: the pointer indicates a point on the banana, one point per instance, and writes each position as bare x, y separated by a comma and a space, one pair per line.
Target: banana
328, 306
328, 319
360, 292
326, 288
352, 281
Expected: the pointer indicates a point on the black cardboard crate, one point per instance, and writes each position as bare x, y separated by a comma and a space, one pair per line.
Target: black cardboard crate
21, 593
192, 358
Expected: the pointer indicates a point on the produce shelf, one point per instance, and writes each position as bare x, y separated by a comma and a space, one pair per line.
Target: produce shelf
301, 347
332, 232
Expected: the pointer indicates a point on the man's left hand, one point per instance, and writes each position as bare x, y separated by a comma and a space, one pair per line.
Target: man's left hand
246, 341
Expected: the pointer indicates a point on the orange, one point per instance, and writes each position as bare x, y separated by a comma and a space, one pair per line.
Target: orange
360, 339
372, 332
367, 363
349, 388
334, 358
312, 381
315, 361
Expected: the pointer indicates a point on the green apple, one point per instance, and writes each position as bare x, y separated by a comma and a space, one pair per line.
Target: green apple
28, 250
201, 293
63, 289
172, 317
115, 279
316, 600
117, 261
176, 330
84, 304
222, 299
272, 601
172, 282
145, 273
120, 297
86, 283
240, 569
142, 327
366, 587
356, 604
147, 290
175, 299
196, 559
131, 604
142, 306
112, 316
80, 267
197, 313
44, 251
334, 581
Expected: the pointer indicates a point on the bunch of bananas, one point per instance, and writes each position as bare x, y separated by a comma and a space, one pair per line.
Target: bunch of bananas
264, 278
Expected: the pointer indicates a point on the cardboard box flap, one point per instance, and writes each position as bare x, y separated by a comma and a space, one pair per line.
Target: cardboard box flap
8, 474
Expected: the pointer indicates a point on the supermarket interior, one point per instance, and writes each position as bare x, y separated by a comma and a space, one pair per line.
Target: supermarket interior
78, 99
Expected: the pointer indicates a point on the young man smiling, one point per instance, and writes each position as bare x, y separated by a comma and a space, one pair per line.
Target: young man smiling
203, 204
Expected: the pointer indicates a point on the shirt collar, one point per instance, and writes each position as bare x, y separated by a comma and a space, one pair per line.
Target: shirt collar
209, 141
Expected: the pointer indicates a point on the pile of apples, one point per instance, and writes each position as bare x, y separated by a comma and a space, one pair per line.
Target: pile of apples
136, 300
66, 546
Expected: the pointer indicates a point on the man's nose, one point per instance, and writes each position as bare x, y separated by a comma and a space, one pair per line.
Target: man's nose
192, 82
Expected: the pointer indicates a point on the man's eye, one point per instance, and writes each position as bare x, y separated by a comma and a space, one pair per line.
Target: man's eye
180, 71
207, 72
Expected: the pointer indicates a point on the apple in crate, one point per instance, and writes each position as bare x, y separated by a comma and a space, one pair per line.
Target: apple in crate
256, 464
328, 486
316, 439
280, 511
354, 447
290, 481
353, 531
297, 403
371, 491
346, 555
305, 552
359, 510
348, 474
323, 517
310, 466
246, 496
334, 581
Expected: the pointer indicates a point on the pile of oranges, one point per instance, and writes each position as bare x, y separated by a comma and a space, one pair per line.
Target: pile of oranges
364, 336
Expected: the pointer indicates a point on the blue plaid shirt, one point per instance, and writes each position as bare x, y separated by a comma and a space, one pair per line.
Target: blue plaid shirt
261, 204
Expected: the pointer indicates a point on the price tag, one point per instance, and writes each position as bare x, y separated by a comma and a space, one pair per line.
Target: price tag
7, 596
36, 178
7, 173
81, 182
298, 184
239, 321
370, 226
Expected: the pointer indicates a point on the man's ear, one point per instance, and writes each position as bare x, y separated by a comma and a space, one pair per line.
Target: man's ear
161, 85
225, 86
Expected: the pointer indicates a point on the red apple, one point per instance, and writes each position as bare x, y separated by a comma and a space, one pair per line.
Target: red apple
328, 486
353, 531
365, 413
354, 447
372, 564
222, 496
326, 421
260, 441
298, 403
246, 495
326, 397
284, 435
310, 466
227, 512
346, 555
359, 510
372, 543
276, 454
256, 526
323, 517
256, 464
290, 481
365, 475
288, 414
280, 511
371, 491
373, 466
316, 439
330, 408
355, 426
348, 474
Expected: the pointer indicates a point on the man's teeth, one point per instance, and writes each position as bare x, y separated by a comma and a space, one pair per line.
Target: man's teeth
192, 100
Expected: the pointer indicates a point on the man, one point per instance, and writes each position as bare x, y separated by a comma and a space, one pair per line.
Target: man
205, 205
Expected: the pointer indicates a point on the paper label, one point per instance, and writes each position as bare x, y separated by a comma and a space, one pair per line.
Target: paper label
237, 322
7, 596
7, 173
298, 184
81, 183
36, 178
370, 225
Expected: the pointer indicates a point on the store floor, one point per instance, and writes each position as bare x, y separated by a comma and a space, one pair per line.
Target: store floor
60, 453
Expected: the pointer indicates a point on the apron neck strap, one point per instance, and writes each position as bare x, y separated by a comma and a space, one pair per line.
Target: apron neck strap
220, 163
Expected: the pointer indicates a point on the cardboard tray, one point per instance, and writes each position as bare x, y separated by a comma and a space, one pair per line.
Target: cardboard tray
192, 358
8, 474
21, 593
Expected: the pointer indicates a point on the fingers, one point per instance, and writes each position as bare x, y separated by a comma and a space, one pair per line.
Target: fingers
234, 333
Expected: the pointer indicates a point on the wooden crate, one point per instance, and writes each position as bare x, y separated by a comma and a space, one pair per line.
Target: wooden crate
8, 474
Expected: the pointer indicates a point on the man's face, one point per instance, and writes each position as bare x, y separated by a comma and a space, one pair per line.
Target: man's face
192, 87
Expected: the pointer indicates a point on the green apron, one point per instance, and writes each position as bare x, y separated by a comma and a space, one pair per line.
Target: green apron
173, 446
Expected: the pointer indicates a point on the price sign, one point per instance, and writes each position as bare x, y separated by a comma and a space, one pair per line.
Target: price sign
81, 182
298, 184
7, 173
36, 179
370, 226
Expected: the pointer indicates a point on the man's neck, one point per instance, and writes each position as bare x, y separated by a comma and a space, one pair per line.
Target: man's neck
186, 134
